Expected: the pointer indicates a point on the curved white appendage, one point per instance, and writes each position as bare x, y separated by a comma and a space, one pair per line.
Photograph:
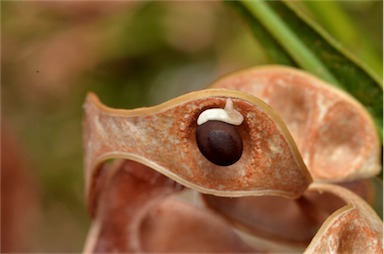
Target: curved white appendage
227, 114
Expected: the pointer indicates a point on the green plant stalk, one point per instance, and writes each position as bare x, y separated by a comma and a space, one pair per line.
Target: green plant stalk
333, 18
317, 54
296, 49
340, 25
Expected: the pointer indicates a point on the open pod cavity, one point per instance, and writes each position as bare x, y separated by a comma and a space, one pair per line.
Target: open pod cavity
143, 211
245, 205
139, 212
164, 138
354, 228
325, 219
334, 133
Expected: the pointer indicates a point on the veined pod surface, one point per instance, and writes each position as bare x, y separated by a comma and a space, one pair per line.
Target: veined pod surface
354, 228
142, 211
164, 138
243, 202
138, 212
335, 134
327, 216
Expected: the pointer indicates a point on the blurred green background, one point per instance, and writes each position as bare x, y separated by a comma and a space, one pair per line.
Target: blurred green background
131, 54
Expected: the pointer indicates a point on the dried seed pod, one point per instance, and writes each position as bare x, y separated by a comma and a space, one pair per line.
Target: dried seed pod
326, 219
131, 203
276, 223
163, 138
355, 228
139, 213
195, 229
334, 133
126, 191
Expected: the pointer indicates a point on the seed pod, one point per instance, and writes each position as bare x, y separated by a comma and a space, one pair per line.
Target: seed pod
326, 219
354, 228
132, 205
334, 133
139, 213
163, 138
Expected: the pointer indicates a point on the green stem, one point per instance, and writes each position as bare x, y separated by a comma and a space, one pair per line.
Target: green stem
343, 28
289, 40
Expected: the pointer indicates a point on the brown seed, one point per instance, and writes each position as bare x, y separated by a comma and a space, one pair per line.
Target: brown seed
219, 142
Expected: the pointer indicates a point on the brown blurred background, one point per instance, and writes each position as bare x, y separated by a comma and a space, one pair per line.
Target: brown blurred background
131, 54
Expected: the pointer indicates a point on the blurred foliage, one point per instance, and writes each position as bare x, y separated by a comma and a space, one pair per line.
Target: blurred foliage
297, 41
336, 17
131, 54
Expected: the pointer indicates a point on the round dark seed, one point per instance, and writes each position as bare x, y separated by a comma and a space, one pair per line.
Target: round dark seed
219, 142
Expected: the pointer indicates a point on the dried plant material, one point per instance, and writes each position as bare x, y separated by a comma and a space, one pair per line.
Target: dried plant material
136, 214
129, 191
327, 219
164, 138
174, 226
247, 203
334, 133
355, 228
278, 219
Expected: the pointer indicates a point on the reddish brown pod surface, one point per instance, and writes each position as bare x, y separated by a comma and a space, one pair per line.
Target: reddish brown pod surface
251, 190
354, 228
128, 201
334, 133
164, 138
139, 213
325, 219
